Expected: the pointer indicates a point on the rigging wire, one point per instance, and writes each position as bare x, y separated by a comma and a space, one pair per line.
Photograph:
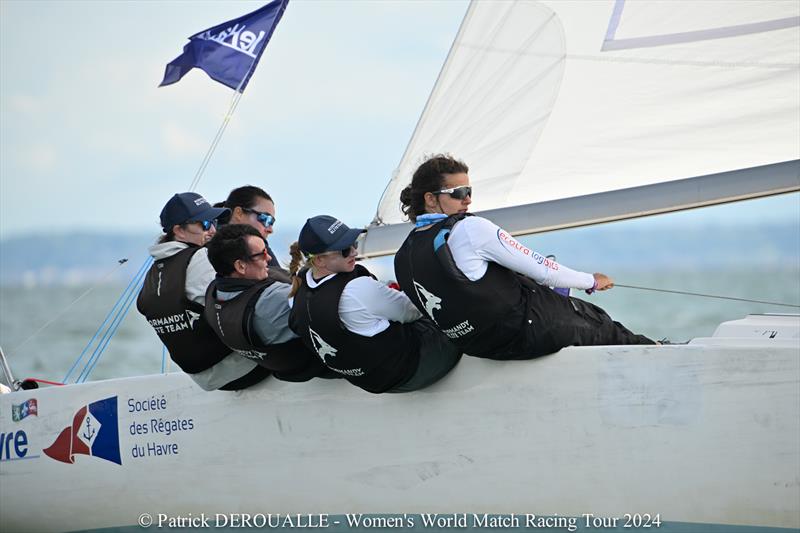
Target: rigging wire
144, 266
122, 312
138, 278
705, 295
120, 263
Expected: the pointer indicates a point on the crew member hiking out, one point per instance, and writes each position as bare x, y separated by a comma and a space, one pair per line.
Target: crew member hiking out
173, 295
487, 292
370, 334
249, 310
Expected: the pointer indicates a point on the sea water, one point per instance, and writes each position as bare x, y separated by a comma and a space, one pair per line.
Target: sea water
135, 349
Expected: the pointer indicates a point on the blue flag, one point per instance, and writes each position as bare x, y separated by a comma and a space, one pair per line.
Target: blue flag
228, 52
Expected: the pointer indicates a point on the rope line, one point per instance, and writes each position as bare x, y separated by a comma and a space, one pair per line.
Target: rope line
103, 324
110, 336
63, 312
46, 382
705, 295
121, 313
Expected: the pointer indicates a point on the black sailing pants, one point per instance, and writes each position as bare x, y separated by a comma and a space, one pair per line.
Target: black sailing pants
555, 321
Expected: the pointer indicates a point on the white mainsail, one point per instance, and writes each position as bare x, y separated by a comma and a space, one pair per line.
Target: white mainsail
564, 99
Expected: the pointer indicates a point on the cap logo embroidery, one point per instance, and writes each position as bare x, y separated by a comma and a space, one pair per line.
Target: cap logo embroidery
335, 226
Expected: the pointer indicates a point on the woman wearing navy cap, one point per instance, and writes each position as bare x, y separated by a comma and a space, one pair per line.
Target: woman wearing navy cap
487, 292
370, 334
173, 295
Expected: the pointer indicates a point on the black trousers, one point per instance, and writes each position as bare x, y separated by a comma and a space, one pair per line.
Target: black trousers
437, 357
555, 321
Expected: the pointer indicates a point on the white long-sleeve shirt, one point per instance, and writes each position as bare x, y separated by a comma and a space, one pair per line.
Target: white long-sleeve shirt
476, 241
367, 305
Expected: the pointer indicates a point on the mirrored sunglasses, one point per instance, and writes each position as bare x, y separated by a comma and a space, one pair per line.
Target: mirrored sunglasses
205, 223
265, 219
458, 193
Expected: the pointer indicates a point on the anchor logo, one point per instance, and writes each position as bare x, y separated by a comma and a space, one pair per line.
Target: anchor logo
89, 432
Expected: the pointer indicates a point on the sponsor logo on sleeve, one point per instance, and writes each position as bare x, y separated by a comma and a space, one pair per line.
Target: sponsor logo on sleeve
513, 245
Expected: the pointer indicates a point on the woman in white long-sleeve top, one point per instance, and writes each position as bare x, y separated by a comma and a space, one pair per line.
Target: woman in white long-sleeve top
486, 291
370, 334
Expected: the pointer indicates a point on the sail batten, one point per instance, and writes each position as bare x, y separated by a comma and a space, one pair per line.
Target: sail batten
543, 106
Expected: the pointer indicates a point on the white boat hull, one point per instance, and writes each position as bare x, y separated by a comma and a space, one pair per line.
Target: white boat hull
702, 433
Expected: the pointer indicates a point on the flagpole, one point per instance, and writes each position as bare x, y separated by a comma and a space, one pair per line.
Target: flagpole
215, 142
237, 96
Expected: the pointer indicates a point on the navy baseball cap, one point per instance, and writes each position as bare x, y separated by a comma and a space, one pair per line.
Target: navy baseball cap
188, 206
325, 233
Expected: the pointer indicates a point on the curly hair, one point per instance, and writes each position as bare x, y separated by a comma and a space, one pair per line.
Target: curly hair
427, 178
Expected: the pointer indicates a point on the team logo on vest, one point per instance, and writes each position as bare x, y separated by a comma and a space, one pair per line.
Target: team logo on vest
252, 354
174, 323
192, 317
322, 348
430, 301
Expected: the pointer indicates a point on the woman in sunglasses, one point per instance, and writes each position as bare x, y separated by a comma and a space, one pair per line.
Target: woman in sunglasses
370, 334
252, 206
486, 291
249, 310
173, 295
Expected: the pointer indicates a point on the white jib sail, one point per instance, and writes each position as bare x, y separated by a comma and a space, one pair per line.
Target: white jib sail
562, 99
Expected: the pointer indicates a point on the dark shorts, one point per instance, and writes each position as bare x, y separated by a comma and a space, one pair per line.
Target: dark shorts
437, 357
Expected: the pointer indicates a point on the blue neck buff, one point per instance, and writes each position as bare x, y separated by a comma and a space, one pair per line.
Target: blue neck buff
429, 218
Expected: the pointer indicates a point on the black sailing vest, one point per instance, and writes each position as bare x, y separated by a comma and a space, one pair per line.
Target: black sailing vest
232, 321
179, 322
481, 317
376, 364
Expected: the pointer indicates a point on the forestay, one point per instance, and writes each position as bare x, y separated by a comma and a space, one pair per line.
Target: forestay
556, 99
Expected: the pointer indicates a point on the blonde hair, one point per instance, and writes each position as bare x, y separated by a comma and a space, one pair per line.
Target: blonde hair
297, 267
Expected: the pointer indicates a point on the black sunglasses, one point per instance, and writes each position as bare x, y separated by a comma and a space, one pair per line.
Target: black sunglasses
346, 251
205, 223
258, 255
266, 219
458, 193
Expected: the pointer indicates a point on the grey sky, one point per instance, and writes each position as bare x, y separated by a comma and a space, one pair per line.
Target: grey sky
88, 136
87, 141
